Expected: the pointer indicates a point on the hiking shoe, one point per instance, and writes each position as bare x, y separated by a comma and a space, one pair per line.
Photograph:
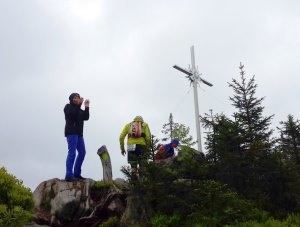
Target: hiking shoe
79, 177
70, 179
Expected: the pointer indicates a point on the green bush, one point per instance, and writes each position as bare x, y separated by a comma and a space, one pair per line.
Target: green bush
199, 202
15, 217
161, 220
216, 205
291, 221
16, 201
111, 222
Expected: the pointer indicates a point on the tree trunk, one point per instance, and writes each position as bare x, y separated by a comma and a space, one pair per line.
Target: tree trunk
106, 163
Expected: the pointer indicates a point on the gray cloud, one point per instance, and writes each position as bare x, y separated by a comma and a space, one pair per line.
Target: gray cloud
120, 55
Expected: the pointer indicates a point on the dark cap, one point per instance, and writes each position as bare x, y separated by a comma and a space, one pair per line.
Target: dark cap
176, 141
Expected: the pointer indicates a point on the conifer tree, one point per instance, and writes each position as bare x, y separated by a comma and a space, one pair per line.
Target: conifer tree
241, 147
223, 144
179, 131
168, 128
154, 146
289, 142
256, 165
249, 113
222, 137
284, 191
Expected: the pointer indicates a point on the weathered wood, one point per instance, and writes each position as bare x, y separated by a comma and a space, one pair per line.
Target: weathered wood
106, 163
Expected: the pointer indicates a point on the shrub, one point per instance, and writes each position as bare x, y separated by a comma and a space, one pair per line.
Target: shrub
291, 221
16, 201
111, 222
161, 220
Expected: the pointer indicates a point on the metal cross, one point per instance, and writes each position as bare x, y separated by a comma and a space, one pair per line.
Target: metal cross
194, 76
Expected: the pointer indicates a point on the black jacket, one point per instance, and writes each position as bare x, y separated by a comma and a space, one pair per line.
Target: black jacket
75, 116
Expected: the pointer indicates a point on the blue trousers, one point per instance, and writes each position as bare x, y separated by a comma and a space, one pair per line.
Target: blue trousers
75, 143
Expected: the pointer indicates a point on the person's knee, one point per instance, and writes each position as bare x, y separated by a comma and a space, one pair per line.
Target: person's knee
71, 155
81, 152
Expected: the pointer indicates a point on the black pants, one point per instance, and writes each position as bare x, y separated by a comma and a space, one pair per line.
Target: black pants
135, 157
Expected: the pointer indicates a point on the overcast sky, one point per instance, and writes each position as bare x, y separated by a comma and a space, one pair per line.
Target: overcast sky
120, 54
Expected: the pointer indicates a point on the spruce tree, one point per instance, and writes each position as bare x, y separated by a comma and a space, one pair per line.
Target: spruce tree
224, 150
256, 164
154, 146
249, 114
285, 191
168, 128
289, 142
179, 131
222, 137
241, 155
240, 147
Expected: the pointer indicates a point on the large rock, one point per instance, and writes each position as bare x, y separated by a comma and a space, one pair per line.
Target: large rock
80, 203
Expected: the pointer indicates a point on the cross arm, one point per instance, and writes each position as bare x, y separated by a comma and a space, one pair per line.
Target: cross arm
182, 70
206, 82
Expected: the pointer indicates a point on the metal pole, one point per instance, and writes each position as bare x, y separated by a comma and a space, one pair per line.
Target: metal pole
196, 100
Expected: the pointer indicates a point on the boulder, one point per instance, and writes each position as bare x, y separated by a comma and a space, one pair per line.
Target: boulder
79, 203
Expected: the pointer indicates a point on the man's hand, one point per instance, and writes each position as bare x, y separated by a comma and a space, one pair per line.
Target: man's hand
80, 101
123, 152
87, 103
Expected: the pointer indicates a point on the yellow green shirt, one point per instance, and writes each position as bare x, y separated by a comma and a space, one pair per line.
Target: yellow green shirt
131, 140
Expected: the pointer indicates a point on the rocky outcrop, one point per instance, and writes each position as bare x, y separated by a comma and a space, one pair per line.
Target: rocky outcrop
79, 203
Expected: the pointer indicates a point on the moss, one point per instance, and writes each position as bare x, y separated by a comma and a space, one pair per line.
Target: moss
118, 185
99, 189
101, 185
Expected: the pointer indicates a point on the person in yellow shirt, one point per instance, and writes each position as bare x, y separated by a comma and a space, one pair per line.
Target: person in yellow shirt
138, 141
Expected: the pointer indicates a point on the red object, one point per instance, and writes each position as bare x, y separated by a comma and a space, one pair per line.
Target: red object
161, 153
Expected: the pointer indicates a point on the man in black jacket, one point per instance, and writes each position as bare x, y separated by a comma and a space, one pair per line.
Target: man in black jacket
75, 117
